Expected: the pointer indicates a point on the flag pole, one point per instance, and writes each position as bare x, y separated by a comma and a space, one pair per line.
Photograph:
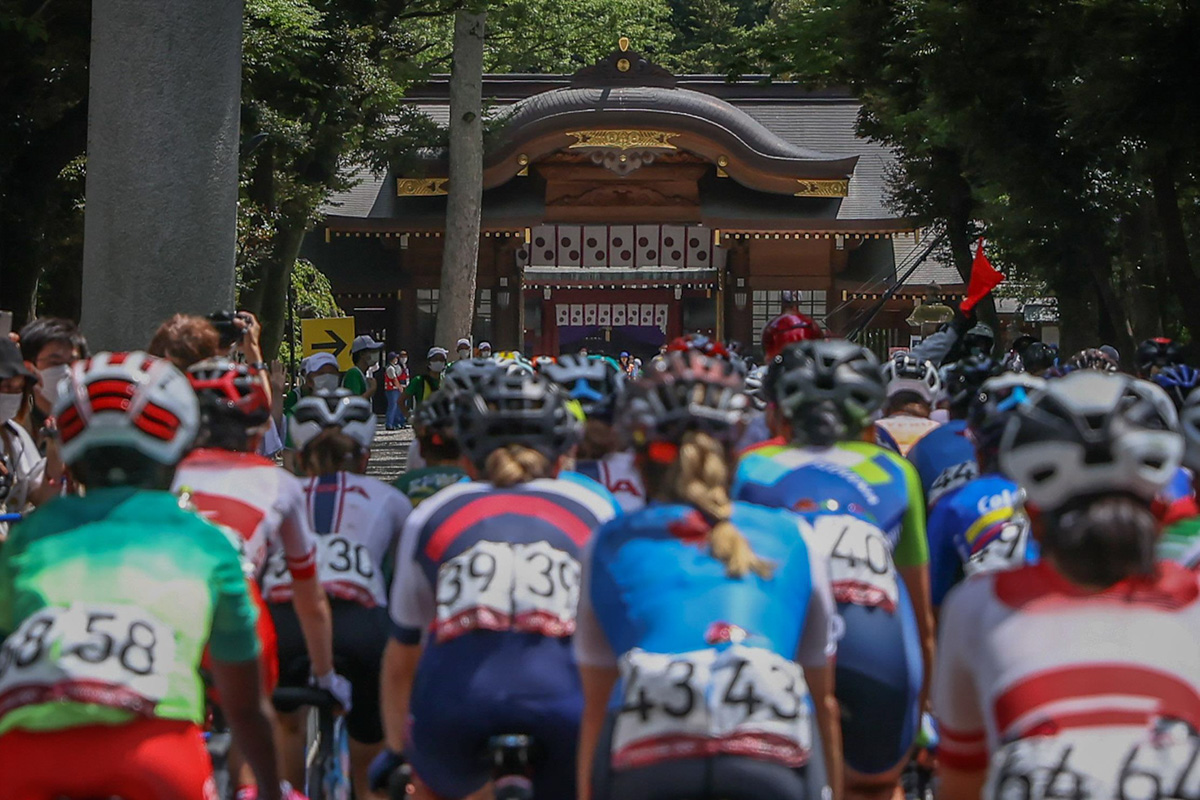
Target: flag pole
891, 291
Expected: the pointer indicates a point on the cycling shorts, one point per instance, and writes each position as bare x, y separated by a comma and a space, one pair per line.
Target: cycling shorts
148, 759
878, 684
359, 637
518, 683
268, 660
731, 777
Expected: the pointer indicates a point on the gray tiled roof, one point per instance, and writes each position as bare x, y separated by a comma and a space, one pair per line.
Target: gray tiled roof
930, 271
823, 123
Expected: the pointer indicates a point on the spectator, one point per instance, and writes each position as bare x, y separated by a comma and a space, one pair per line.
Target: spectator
23, 479
421, 386
464, 349
365, 351
50, 345
319, 371
395, 379
485, 349
185, 340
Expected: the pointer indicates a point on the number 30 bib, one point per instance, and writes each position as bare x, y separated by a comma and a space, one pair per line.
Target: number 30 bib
110, 655
737, 701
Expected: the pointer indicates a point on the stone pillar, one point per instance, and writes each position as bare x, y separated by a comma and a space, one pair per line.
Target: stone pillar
160, 225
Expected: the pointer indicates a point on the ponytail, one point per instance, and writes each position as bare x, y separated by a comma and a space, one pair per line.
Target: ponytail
699, 476
1101, 540
329, 452
599, 440
515, 464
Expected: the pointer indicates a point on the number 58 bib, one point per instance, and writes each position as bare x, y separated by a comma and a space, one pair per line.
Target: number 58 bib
111, 655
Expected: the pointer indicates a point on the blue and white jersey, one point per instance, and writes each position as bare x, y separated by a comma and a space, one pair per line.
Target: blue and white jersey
613, 476
978, 527
708, 662
945, 460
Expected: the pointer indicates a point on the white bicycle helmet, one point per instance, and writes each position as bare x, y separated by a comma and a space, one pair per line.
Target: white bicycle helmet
131, 400
336, 408
1092, 433
1189, 426
906, 373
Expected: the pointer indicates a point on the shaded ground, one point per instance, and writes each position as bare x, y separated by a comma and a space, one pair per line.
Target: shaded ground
389, 453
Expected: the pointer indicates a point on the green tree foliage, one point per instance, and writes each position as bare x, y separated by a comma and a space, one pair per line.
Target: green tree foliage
313, 298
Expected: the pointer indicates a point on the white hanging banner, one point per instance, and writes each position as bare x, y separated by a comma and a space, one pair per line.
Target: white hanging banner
562, 313
576, 313
589, 314
633, 314
618, 314
604, 314
660, 316
647, 314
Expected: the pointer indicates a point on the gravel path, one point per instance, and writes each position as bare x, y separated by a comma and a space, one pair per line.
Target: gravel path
389, 454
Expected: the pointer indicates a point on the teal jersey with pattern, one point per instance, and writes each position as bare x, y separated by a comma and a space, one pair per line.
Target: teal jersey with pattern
850, 477
106, 604
421, 484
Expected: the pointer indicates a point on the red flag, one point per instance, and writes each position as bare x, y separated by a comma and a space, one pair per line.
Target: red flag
984, 278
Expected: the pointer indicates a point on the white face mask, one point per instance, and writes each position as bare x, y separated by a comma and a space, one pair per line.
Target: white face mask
10, 404
464, 354
404, 362
325, 382
485, 353
51, 378
436, 366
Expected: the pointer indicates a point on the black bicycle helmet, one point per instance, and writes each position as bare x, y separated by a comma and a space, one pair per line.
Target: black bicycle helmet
596, 383
991, 407
435, 416
466, 375
684, 392
826, 375
1156, 353
1092, 433
514, 407
964, 379
1178, 381
1036, 358
979, 340
1092, 358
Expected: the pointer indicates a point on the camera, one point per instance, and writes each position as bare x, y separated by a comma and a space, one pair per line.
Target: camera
231, 326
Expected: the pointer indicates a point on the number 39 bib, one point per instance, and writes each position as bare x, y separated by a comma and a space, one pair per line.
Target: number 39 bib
860, 561
497, 586
737, 701
110, 655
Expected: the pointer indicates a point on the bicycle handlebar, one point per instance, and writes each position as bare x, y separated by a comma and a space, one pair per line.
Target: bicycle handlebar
290, 698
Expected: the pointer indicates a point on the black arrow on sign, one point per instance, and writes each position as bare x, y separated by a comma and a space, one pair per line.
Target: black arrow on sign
336, 346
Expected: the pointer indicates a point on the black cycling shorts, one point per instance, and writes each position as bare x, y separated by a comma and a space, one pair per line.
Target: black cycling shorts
726, 776
359, 636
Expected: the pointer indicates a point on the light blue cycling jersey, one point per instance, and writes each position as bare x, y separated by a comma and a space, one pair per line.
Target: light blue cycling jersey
945, 459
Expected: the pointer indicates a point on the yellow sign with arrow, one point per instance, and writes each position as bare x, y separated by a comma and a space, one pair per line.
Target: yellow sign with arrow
332, 335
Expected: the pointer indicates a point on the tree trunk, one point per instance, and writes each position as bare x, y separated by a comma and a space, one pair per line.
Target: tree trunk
958, 233
1113, 317
460, 253
1177, 258
268, 297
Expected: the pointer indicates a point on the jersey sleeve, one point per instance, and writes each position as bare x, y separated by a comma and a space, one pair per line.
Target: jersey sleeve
233, 637
945, 566
957, 704
592, 648
818, 642
913, 548
412, 604
354, 381
295, 535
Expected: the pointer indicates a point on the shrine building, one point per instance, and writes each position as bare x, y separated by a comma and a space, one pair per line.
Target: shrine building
624, 205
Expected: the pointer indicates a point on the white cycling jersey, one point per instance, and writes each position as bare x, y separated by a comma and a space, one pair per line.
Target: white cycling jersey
1061, 690
901, 432
357, 520
618, 473
261, 502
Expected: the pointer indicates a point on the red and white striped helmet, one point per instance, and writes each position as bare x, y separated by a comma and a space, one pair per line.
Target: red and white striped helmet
130, 400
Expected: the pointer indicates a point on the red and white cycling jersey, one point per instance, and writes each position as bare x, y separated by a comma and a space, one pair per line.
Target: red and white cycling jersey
261, 502
356, 520
618, 473
1057, 687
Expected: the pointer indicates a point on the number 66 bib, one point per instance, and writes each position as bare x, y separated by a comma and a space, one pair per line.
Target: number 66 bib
860, 561
110, 655
738, 701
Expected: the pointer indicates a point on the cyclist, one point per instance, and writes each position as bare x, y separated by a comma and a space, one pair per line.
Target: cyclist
1091, 358
1079, 675
1156, 354
1180, 540
913, 387
598, 387
980, 525
433, 426
787, 328
945, 457
823, 394
483, 604
693, 614
357, 521
261, 503
107, 601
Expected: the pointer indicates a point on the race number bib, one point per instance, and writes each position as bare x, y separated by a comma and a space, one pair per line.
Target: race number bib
497, 586
1004, 550
950, 479
1100, 764
111, 655
737, 701
344, 568
860, 561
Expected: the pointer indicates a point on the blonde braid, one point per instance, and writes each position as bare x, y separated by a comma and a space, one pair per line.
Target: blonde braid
702, 479
515, 464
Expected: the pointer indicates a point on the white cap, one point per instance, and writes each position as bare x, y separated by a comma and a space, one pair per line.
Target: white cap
464, 342
318, 360
364, 342
485, 345
436, 351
